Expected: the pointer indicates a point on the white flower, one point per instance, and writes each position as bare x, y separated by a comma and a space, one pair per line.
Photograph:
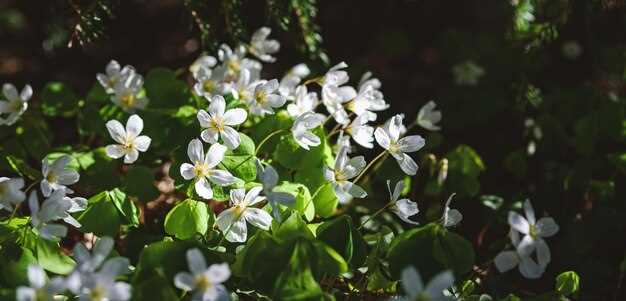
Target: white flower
451, 217
203, 169
101, 285
265, 98
205, 282
57, 176
204, 61
114, 74
368, 99
40, 289
14, 105
467, 73
342, 141
130, 143
232, 221
292, 79
334, 98
127, 93
345, 169
209, 82
302, 126
235, 61
269, 179
507, 260
90, 261
403, 208
534, 232
52, 209
218, 123
389, 138
428, 118
303, 102
414, 286
11, 193
263, 48
335, 76
362, 133
243, 88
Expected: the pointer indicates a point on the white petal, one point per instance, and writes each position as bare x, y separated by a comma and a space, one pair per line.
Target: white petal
252, 196
36, 276
530, 269
27, 93
543, 252
218, 273
357, 192
217, 106
204, 118
546, 227
115, 151
195, 261
222, 177
131, 156
210, 135
134, 126
382, 138
53, 231
120, 291
25, 294
114, 267
231, 137
184, 281
258, 217
342, 158
411, 144
529, 212
215, 155
142, 143
195, 151
526, 246
439, 283
203, 188
412, 282
453, 217
518, 222
506, 260
228, 220
68, 177
408, 165
116, 130
9, 91
235, 116
187, 171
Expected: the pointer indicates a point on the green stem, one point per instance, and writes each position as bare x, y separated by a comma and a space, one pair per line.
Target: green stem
375, 215
266, 139
369, 165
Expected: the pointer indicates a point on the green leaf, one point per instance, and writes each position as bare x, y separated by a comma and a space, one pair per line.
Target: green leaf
296, 282
241, 161
464, 167
290, 155
187, 219
268, 125
325, 200
101, 217
155, 288
453, 251
567, 283
51, 257
261, 261
293, 227
164, 90
303, 203
340, 234
57, 99
14, 262
125, 206
21, 168
140, 183
415, 247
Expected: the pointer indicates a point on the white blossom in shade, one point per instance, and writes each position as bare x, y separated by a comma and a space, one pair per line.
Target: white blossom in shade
508, 259
301, 129
57, 176
243, 88
534, 232
127, 94
263, 48
206, 283
130, 142
14, 104
269, 180
571, 50
218, 122
235, 61
204, 61
428, 117
304, 102
114, 74
403, 208
451, 217
90, 261
414, 288
52, 209
266, 98
39, 289
209, 82
335, 76
388, 137
11, 192
334, 98
467, 73
292, 79
342, 141
101, 285
345, 169
361, 132
232, 221
203, 170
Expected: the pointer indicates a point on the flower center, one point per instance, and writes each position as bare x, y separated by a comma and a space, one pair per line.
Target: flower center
533, 231
339, 176
128, 99
350, 105
203, 283
97, 293
234, 65
261, 97
16, 105
208, 85
51, 177
200, 169
217, 123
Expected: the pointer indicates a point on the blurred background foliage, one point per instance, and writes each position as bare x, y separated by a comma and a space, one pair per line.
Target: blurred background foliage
544, 120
